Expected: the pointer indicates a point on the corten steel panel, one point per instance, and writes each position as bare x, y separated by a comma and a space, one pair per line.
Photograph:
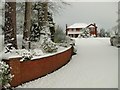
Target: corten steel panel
29, 70
15, 70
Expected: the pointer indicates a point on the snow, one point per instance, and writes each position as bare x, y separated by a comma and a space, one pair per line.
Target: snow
94, 66
36, 52
7, 56
92, 26
60, 50
78, 25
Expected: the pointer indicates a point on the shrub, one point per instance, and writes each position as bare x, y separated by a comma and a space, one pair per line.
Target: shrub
5, 76
59, 35
49, 46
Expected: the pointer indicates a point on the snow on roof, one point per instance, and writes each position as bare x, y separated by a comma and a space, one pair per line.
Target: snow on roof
78, 25
91, 26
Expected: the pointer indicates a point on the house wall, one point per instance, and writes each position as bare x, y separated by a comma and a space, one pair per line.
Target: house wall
93, 31
29, 70
73, 30
91, 27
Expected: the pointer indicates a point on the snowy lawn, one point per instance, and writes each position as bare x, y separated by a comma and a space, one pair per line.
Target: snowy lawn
94, 66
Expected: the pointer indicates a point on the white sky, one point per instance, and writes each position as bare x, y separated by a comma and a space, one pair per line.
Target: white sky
104, 14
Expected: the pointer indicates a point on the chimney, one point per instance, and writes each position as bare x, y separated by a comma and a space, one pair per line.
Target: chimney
94, 24
66, 26
95, 29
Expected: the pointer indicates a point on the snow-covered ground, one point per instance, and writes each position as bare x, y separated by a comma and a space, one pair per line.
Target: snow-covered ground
19, 39
94, 66
36, 53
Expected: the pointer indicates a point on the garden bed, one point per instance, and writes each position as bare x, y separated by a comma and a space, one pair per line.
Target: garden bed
37, 67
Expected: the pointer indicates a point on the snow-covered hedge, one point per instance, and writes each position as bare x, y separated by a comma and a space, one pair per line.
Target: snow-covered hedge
5, 76
59, 35
67, 42
28, 54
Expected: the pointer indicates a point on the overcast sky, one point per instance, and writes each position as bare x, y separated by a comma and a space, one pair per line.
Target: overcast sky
104, 14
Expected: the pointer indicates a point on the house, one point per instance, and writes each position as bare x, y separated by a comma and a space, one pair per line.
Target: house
77, 28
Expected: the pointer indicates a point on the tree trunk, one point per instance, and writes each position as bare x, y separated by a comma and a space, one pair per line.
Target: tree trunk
10, 25
27, 25
45, 9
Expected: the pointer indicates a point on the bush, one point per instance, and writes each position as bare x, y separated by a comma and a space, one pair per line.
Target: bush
5, 76
49, 46
59, 35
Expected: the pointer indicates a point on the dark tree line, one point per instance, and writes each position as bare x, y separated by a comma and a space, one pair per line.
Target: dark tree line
32, 28
10, 24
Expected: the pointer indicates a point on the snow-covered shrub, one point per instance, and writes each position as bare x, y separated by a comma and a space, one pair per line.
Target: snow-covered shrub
102, 32
25, 43
115, 40
59, 35
74, 50
5, 76
37, 52
26, 55
61, 39
49, 46
84, 33
67, 42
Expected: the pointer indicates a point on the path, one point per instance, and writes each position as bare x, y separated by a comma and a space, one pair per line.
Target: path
94, 66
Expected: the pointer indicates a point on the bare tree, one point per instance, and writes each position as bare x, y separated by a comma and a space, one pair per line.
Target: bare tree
57, 6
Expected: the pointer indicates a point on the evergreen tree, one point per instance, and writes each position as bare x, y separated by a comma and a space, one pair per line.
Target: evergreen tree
51, 25
59, 35
37, 21
85, 33
45, 18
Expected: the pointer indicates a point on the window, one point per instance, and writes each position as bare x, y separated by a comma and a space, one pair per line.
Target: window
74, 29
78, 29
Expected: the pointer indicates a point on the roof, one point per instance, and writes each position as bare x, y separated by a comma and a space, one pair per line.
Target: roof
78, 25
92, 25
